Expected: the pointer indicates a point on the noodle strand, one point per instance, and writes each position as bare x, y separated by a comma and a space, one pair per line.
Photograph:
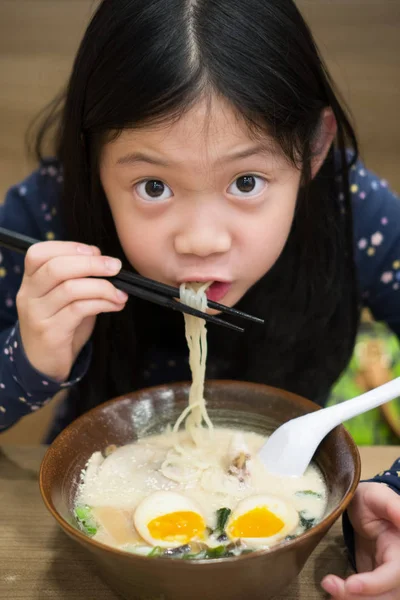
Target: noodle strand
196, 337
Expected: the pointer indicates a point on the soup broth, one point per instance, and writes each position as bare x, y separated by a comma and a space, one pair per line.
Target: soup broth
145, 497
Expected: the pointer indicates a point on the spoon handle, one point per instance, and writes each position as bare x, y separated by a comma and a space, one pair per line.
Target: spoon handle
335, 415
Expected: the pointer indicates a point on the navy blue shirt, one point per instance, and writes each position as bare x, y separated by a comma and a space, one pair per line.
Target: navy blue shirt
31, 208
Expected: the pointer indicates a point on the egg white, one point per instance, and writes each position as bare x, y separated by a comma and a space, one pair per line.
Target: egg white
280, 508
157, 505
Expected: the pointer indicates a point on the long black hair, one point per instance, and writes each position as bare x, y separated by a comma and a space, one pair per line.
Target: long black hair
147, 61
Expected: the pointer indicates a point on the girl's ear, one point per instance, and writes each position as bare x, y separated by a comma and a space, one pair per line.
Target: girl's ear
326, 135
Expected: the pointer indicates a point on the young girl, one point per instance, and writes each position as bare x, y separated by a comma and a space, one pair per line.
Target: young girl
202, 141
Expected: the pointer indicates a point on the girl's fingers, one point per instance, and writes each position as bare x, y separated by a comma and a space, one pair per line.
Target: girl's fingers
392, 595
75, 313
61, 268
382, 580
42, 252
334, 586
347, 596
73, 290
383, 502
379, 584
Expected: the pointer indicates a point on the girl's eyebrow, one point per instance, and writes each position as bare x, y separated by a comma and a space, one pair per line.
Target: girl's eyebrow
265, 149
140, 157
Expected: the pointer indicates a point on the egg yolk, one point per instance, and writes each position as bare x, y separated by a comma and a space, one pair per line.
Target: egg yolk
182, 526
257, 523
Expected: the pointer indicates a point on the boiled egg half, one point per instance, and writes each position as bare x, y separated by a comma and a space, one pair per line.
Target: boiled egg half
169, 520
262, 520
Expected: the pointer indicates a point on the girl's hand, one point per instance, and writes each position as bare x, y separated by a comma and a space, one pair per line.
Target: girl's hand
58, 301
375, 515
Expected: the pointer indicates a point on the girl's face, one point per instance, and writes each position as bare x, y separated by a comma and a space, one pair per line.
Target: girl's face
200, 200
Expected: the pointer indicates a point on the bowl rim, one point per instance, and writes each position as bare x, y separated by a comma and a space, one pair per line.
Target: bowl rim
326, 523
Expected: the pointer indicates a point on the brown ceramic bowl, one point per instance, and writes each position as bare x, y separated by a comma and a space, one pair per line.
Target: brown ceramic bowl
258, 576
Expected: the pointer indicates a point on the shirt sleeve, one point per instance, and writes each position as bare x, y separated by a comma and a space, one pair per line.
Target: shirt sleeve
29, 208
376, 211
391, 478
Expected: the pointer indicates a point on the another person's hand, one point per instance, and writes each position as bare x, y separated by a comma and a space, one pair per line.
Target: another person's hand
61, 293
375, 515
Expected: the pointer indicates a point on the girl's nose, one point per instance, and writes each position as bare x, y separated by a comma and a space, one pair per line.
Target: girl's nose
202, 238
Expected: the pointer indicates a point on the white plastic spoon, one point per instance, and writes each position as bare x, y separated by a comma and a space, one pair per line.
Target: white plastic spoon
289, 450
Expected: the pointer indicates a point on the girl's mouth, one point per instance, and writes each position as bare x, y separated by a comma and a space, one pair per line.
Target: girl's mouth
218, 290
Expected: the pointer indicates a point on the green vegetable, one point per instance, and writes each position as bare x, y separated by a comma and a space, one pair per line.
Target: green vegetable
305, 521
85, 520
217, 552
210, 553
308, 493
223, 515
198, 556
206, 553
290, 537
157, 551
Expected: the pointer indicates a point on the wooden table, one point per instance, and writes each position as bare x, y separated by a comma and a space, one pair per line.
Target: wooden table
39, 562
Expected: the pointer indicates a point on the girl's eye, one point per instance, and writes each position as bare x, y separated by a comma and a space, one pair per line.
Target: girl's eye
153, 190
247, 186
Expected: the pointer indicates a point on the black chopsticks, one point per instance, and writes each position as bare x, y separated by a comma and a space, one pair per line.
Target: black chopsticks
139, 286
